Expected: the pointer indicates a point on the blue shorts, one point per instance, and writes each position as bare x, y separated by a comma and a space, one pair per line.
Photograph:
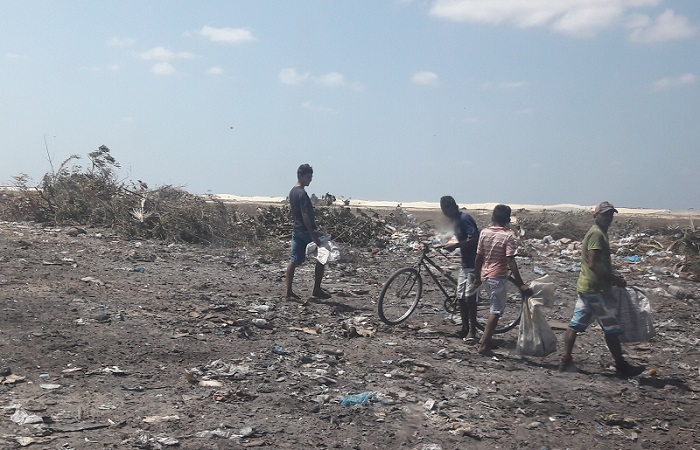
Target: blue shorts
300, 239
600, 306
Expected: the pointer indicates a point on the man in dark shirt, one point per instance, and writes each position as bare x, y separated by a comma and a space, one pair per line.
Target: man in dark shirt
305, 232
467, 234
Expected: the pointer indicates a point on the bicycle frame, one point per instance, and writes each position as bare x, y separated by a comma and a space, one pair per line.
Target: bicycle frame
427, 262
398, 298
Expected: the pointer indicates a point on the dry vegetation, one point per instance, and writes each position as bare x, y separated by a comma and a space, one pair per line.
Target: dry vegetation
94, 197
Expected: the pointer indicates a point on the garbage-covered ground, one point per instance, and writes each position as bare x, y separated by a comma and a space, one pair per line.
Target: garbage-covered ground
112, 343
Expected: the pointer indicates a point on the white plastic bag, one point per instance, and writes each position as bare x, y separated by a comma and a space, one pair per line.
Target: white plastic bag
328, 252
535, 337
634, 314
543, 291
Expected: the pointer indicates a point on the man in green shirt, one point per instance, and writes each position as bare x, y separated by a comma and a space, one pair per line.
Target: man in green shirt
594, 297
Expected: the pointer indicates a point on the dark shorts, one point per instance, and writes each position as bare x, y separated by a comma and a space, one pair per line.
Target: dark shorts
300, 239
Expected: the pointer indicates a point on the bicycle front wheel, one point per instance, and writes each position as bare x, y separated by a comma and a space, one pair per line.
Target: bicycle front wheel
512, 312
400, 296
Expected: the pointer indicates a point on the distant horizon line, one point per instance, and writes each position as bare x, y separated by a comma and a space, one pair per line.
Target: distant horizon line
483, 206
563, 207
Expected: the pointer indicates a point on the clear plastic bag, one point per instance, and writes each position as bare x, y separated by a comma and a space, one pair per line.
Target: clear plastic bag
328, 252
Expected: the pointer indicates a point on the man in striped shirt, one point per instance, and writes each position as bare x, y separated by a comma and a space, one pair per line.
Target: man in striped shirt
495, 257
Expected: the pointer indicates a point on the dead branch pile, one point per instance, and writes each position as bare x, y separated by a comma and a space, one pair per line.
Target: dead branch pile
93, 197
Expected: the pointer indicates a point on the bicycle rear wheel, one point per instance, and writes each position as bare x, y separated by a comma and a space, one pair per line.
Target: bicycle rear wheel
400, 296
511, 315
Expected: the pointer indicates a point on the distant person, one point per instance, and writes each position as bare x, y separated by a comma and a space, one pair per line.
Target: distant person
495, 256
304, 232
467, 234
594, 295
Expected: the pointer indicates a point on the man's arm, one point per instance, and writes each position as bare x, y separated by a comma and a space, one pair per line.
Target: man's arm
462, 245
310, 226
513, 265
478, 264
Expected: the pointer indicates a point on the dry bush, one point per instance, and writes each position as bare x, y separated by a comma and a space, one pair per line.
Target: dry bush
94, 197
173, 215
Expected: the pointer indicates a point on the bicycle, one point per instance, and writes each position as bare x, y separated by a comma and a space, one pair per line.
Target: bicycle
403, 290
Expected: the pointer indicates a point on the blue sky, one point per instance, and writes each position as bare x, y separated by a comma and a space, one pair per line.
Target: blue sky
513, 101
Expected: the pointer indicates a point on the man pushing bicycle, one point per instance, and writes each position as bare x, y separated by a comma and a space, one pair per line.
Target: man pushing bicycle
467, 234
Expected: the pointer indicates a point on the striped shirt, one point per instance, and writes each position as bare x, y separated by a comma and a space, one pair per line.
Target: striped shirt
496, 244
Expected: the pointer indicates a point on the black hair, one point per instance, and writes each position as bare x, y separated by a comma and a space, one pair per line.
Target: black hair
501, 214
304, 169
447, 201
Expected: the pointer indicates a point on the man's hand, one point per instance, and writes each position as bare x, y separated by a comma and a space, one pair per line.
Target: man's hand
619, 281
450, 247
525, 289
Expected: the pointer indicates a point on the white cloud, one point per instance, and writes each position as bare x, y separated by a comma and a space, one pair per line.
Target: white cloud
581, 18
424, 78
669, 82
163, 54
668, 26
311, 107
128, 119
121, 42
227, 35
163, 68
10, 55
331, 79
216, 70
291, 76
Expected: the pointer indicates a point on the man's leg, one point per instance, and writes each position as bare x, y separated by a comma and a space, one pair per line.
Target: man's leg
569, 341
622, 367
289, 278
567, 361
467, 310
485, 342
471, 307
318, 277
464, 313
498, 289
613, 343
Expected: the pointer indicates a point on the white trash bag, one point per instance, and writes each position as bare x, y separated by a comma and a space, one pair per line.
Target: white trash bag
328, 252
634, 314
536, 337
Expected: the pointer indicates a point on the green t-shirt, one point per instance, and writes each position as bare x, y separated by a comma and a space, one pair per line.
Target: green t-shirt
588, 281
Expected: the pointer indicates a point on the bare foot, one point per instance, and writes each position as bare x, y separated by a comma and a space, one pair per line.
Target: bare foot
292, 296
486, 352
470, 339
321, 294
